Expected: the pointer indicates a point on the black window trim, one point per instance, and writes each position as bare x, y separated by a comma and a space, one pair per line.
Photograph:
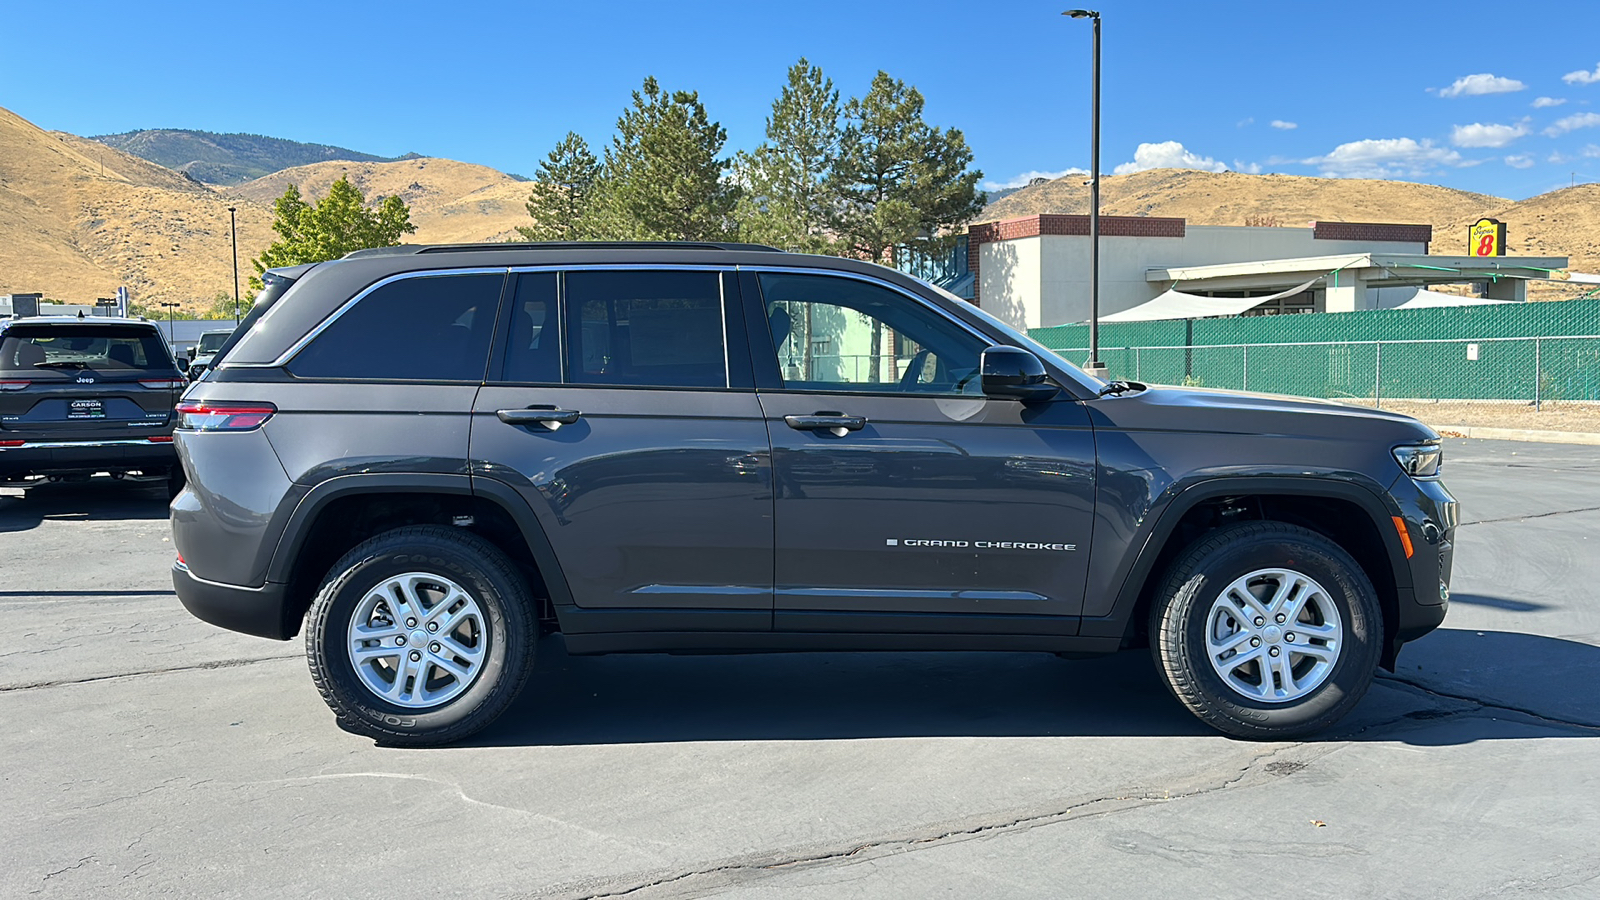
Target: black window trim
288, 355
765, 338
732, 309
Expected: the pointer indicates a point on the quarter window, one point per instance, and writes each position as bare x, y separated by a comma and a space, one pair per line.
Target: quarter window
645, 328
841, 334
421, 328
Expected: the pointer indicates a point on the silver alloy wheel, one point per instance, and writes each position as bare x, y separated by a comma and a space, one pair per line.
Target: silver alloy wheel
1274, 635
417, 640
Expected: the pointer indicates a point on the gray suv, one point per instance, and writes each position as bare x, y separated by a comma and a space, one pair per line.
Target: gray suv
427, 457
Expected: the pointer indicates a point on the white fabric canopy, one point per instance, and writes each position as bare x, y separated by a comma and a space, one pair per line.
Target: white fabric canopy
1172, 304
1426, 299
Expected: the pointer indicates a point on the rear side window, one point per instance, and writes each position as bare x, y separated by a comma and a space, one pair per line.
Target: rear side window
421, 328
648, 328
110, 348
534, 354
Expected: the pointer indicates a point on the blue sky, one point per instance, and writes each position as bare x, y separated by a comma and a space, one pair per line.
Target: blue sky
1501, 98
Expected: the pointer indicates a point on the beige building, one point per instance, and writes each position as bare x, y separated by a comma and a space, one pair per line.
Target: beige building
1034, 271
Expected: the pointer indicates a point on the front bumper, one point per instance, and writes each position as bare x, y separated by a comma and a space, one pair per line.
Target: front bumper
62, 457
1431, 516
261, 611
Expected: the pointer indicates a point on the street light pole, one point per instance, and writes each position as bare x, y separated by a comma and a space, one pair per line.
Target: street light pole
1095, 366
171, 334
233, 229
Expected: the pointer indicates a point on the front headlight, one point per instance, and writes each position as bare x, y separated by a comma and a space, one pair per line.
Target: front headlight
1419, 460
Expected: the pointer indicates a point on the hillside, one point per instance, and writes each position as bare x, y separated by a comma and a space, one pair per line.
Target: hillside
1228, 198
1560, 223
226, 159
450, 201
77, 219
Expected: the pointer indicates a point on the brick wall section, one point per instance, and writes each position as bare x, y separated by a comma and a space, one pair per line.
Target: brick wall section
1034, 226
1371, 231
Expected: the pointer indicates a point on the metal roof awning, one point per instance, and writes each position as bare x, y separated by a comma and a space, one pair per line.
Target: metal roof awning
1377, 269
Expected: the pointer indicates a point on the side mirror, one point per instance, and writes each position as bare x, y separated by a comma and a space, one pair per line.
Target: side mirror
1015, 374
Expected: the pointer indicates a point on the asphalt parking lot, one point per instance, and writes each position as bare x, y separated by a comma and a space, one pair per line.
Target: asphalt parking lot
150, 754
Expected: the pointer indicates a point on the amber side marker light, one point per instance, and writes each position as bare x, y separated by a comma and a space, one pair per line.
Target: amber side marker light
1405, 536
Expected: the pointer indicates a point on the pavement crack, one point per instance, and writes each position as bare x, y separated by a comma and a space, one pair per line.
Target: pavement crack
197, 667
1544, 515
1477, 704
77, 865
763, 864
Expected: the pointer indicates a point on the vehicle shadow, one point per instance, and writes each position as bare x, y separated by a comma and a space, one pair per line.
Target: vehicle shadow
660, 698
98, 499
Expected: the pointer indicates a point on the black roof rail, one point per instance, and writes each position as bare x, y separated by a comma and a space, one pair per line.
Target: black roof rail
405, 249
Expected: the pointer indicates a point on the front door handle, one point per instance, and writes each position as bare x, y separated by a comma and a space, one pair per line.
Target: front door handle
548, 416
838, 423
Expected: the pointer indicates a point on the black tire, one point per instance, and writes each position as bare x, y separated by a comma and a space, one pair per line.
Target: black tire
1181, 614
499, 590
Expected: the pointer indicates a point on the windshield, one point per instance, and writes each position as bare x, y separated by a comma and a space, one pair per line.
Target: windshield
44, 348
1020, 337
212, 341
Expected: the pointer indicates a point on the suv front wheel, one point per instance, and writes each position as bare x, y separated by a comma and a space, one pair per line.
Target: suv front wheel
1267, 630
420, 636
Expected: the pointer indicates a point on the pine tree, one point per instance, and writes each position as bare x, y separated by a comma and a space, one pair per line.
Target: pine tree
560, 200
663, 179
787, 201
339, 224
900, 181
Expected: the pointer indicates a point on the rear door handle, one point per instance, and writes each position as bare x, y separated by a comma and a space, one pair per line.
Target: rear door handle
548, 416
838, 423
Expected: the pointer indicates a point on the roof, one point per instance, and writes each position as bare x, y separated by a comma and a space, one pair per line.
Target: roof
408, 249
1378, 269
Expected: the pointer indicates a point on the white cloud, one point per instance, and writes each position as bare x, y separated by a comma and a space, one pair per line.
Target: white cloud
1243, 122
1284, 126
1247, 168
1521, 161
1582, 77
1026, 178
1573, 123
1482, 83
1592, 151
1543, 102
1480, 135
1167, 155
1384, 158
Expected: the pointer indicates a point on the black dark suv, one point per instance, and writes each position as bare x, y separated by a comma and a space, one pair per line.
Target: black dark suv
80, 395
432, 455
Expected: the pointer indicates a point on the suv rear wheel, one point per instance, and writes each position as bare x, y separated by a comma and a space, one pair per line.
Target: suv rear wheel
1267, 630
420, 636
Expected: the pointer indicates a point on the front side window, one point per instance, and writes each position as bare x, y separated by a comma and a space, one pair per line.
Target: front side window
841, 334
420, 328
645, 328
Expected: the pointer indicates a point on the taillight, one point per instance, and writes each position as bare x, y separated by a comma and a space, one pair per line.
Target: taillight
159, 438
198, 415
163, 384
13, 385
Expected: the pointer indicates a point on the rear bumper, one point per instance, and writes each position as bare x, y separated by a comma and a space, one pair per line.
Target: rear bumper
258, 611
52, 457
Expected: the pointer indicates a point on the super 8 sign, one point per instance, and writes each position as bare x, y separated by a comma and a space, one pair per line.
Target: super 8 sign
1486, 237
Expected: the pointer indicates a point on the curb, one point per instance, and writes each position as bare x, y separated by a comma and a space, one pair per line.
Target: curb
1521, 434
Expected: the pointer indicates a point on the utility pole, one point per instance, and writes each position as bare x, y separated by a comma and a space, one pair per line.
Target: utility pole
233, 228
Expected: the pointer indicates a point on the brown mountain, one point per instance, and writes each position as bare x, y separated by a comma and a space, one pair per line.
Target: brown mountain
1560, 223
77, 219
1229, 198
450, 201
